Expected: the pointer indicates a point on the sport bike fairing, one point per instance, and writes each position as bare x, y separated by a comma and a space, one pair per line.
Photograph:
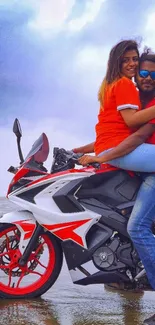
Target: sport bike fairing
36, 196
81, 207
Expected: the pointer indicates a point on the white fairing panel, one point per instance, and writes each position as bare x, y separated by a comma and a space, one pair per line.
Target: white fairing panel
65, 226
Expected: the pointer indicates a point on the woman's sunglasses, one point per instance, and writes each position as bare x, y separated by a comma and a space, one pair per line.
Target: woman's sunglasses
146, 73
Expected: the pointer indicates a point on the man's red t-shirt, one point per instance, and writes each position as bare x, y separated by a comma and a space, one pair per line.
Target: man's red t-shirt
151, 139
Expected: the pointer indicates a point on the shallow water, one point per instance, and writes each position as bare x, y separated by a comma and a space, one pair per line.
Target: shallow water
68, 304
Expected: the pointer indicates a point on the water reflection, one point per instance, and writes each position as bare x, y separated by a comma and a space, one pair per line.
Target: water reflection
79, 306
131, 306
27, 312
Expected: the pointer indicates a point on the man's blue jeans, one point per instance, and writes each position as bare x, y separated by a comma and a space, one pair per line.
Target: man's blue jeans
139, 226
142, 159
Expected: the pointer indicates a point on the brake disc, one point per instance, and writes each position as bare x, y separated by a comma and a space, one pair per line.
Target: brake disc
32, 264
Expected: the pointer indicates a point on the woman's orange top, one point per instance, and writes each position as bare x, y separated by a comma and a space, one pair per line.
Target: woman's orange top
111, 128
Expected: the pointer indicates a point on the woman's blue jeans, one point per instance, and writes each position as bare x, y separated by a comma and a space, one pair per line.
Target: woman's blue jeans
142, 159
139, 226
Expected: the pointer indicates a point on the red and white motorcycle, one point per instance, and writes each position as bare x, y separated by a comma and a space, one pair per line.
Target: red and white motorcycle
82, 213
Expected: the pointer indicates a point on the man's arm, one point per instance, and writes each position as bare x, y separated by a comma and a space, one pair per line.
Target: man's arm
124, 148
130, 143
88, 148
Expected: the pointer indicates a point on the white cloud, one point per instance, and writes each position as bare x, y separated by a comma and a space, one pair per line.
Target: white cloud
92, 9
57, 136
7, 2
54, 15
49, 14
92, 57
90, 65
150, 25
149, 30
90, 13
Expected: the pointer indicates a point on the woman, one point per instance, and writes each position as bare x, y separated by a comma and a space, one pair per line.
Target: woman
120, 106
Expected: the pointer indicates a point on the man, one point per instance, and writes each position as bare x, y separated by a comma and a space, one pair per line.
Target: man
143, 214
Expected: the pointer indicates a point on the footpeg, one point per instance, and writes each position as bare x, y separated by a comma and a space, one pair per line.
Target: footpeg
140, 275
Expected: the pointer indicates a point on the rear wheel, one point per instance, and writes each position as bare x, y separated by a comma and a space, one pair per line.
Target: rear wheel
40, 272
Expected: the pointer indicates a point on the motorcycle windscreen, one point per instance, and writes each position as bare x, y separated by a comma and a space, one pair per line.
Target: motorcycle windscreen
39, 150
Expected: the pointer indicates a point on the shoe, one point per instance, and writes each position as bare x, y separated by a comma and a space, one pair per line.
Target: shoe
118, 286
125, 287
150, 321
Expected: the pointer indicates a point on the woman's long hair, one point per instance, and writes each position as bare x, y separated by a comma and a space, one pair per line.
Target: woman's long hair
115, 64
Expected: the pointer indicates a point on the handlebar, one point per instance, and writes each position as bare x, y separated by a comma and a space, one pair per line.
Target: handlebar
62, 160
79, 155
75, 157
66, 159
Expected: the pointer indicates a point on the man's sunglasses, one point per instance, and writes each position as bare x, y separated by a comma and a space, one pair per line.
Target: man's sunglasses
146, 73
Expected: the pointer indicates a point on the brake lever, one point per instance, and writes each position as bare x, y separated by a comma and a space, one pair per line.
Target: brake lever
74, 156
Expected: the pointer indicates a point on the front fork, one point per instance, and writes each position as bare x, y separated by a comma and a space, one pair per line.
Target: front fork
29, 230
31, 245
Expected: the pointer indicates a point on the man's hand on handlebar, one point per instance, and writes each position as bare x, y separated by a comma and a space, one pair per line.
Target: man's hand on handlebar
88, 160
66, 159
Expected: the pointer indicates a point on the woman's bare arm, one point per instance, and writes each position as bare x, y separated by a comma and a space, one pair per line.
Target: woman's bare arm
88, 148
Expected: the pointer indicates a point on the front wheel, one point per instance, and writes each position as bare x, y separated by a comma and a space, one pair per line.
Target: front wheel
40, 272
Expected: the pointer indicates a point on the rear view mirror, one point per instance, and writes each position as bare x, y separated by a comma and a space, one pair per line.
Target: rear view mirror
17, 128
18, 132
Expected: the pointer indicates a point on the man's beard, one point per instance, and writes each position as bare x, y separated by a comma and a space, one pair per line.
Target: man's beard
146, 96
147, 93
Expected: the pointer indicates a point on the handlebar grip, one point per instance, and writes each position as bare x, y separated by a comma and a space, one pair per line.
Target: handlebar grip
95, 165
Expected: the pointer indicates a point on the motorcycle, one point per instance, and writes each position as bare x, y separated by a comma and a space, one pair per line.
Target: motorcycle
81, 213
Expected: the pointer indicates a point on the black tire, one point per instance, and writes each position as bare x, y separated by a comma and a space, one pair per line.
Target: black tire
51, 279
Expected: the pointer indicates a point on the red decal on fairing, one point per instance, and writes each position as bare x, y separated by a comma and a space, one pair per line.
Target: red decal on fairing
27, 227
63, 173
20, 173
66, 230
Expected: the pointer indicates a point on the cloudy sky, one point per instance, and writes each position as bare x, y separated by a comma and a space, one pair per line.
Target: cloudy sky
53, 55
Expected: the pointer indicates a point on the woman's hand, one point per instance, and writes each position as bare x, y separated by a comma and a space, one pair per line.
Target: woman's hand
87, 159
